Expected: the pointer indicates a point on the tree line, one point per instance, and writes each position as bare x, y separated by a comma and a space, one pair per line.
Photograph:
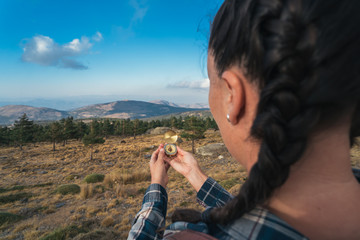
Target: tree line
25, 131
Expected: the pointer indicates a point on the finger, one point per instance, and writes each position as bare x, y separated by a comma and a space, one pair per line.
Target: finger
180, 150
167, 166
161, 155
155, 155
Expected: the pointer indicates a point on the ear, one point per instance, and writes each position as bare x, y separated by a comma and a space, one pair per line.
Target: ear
235, 101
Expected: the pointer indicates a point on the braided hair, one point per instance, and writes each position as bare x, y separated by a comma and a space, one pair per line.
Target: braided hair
304, 56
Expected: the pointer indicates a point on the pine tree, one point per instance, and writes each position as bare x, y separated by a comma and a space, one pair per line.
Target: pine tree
194, 130
91, 140
5, 136
23, 131
107, 128
70, 130
81, 130
56, 133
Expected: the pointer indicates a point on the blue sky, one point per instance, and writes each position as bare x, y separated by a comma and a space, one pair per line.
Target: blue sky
104, 50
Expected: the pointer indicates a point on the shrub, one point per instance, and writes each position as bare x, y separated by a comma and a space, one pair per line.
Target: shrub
117, 176
6, 217
13, 197
64, 233
68, 188
94, 178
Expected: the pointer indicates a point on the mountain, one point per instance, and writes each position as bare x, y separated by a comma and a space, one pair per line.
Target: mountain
118, 109
196, 113
10, 113
194, 105
126, 109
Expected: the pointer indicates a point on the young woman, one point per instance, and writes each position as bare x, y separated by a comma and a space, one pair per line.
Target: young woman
285, 93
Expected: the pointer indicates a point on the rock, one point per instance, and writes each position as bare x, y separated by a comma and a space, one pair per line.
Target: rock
43, 172
72, 211
109, 164
24, 211
220, 157
158, 130
147, 156
59, 205
211, 149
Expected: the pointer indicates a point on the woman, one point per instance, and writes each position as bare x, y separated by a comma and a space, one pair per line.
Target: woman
285, 93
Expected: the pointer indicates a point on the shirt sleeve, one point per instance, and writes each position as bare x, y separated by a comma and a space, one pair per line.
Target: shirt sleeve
151, 217
212, 194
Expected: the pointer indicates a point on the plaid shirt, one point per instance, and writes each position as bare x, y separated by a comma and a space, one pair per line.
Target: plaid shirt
257, 224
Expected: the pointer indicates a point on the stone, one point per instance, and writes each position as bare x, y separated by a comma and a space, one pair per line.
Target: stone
158, 130
211, 149
59, 205
147, 156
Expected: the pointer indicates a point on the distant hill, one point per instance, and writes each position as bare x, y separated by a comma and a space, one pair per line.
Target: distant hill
118, 109
10, 113
127, 109
195, 105
196, 113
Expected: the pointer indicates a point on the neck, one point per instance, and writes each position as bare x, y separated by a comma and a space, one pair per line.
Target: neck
320, 181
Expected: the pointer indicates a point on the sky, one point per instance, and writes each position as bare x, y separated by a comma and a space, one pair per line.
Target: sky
93, 51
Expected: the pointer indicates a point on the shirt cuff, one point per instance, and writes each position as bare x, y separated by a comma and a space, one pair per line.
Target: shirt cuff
204, 191
155, 193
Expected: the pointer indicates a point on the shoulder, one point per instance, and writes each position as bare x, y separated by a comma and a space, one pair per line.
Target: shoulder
257, 224
260, 224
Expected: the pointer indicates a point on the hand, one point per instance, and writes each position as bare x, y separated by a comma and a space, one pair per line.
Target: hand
188, 166
158, 167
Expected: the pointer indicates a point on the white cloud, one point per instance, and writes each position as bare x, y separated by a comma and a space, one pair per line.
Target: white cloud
140, 10
97, 37
201, 84
45, 51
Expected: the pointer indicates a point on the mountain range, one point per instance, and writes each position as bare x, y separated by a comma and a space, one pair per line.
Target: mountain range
118, 109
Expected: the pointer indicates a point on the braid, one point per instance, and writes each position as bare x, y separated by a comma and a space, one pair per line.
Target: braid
284, 42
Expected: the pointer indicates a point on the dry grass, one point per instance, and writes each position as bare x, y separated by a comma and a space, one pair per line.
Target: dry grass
107, 222
86, 191
109, 206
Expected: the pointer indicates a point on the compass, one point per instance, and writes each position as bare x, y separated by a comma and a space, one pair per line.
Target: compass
170, 148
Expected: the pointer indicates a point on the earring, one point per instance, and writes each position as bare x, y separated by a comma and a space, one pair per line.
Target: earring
228, 117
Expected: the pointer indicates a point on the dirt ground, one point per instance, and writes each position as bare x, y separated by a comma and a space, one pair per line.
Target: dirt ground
100, 208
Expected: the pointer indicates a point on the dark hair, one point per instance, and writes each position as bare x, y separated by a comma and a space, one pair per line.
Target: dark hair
304, 56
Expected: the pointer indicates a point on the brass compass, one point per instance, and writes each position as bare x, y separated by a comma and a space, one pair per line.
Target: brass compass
170, 148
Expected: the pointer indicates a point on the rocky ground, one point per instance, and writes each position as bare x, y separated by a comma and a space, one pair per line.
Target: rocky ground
32, 206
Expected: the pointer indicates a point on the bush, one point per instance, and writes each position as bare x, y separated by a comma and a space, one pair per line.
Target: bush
13, 197
64, 233
68, 188
6, 217
94, 178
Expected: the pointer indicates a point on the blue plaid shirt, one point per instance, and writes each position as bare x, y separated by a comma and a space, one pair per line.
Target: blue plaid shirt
257, 224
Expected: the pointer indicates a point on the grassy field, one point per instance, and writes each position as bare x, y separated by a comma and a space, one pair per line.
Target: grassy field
64, 195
